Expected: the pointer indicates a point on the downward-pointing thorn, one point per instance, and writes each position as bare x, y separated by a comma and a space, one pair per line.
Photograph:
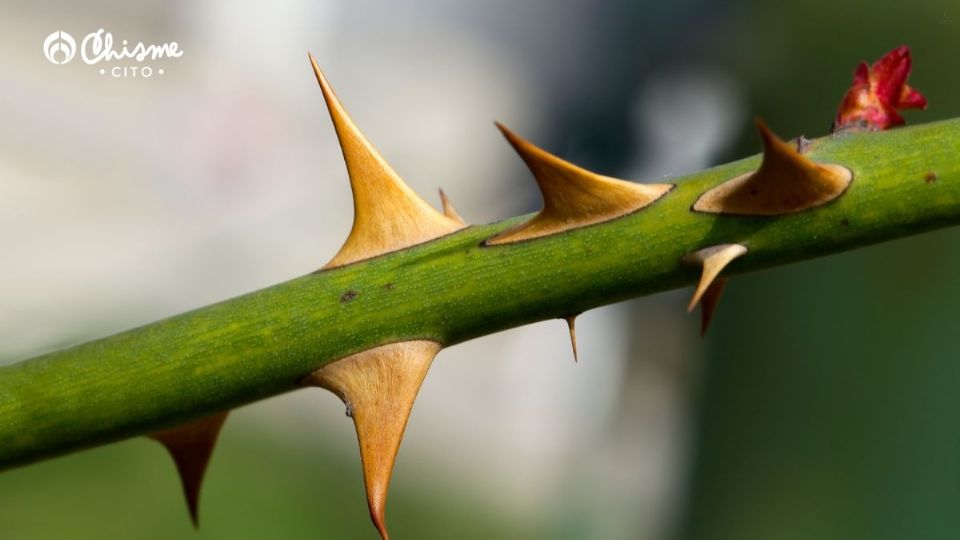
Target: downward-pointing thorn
709, 301
713, 259
378, 521
191, 445
571, 324
379, 385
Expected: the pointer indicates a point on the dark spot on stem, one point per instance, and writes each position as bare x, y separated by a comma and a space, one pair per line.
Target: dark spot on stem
388, 286
845, 222
930, 177
348, 296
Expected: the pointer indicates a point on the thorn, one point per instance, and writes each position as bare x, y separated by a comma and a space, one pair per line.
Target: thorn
709, 301
380, 386
387, 214
713, 259
449, 210
191, 445
573, 197
571, 324
786, 182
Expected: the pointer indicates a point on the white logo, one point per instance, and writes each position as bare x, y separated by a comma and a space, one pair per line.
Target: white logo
97, 47
59, 42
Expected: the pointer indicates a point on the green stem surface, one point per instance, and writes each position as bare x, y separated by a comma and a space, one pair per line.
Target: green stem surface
454, 289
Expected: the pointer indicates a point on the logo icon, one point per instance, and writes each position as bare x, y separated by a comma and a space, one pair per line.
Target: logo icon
59, 47
131, 59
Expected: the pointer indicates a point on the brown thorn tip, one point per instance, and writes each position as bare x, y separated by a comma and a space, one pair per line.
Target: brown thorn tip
379, 523
786, 182
571, 324
191, 446
449, 210
387, 214
713, 259
379, 386
573, 197
709, 301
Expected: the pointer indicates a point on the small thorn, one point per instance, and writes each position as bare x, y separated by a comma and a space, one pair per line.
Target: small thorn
191, 446
380, 385
786, 182
387, 214
573, 197
709, 301
571, 324
449, 210
713, 259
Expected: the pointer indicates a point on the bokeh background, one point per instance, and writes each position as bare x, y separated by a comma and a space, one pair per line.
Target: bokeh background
823, 403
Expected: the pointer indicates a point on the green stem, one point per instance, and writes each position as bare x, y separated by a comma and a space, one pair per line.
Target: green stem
453, 289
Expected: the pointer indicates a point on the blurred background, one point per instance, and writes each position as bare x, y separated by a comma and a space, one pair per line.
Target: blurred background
823, 403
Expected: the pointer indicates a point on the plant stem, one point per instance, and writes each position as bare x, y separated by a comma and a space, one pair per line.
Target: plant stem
454, 289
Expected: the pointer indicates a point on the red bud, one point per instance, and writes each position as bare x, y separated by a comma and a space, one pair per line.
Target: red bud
877, 93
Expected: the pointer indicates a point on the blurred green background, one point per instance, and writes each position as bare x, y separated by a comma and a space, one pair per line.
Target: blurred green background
822, 404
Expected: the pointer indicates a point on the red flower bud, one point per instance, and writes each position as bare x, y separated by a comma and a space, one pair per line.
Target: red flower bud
877, 93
